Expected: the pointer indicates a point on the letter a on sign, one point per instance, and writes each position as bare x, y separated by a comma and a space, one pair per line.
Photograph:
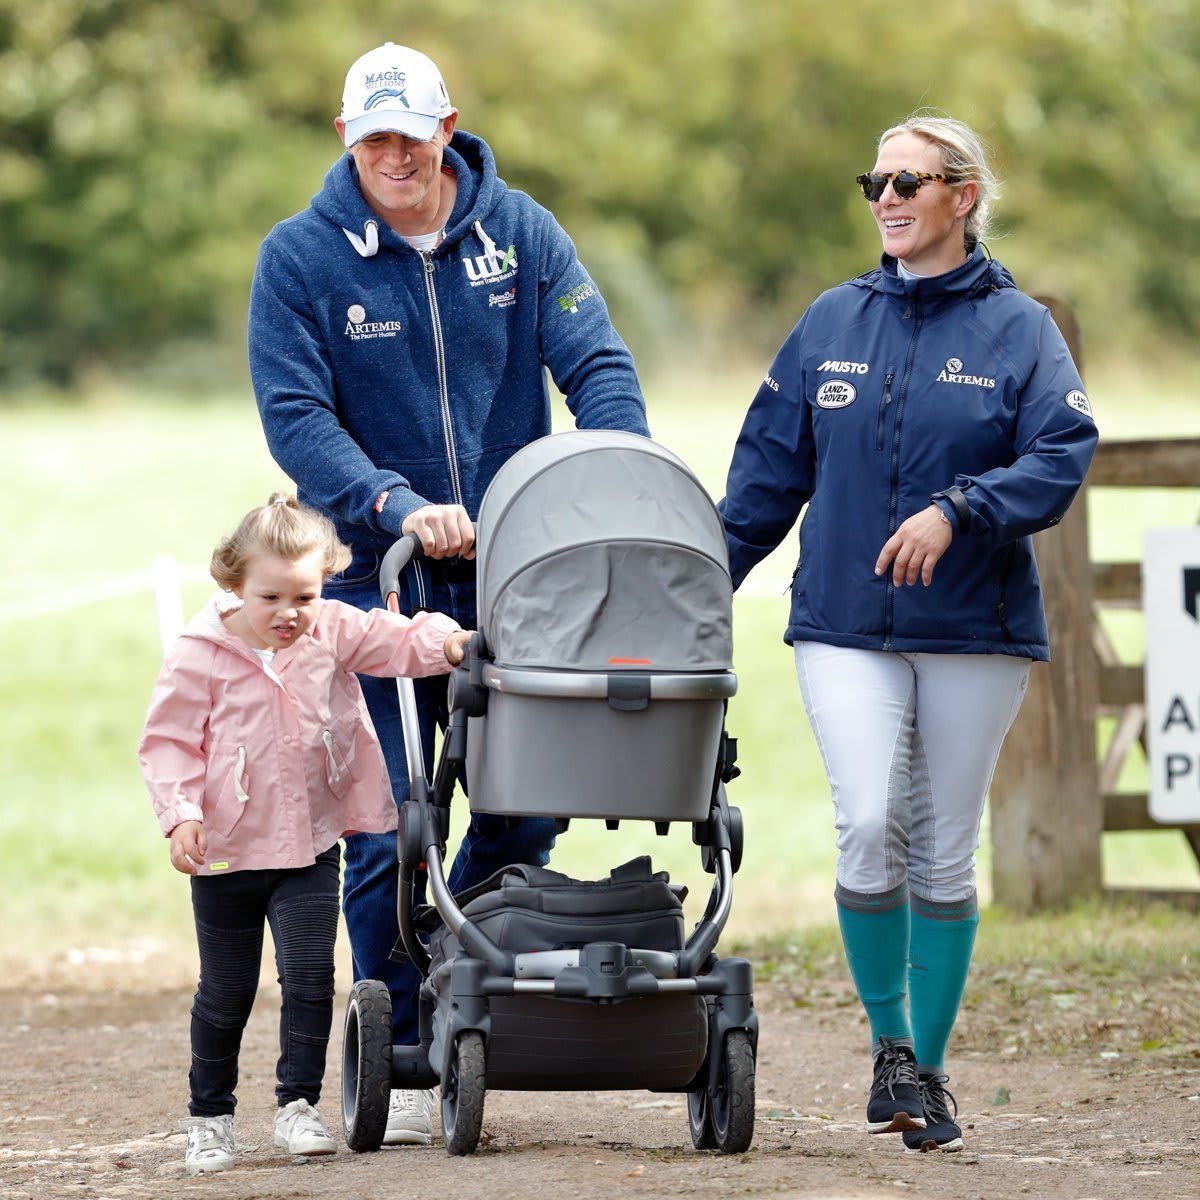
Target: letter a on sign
1171, 600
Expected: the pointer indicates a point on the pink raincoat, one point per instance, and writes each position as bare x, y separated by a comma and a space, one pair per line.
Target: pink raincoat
278, 769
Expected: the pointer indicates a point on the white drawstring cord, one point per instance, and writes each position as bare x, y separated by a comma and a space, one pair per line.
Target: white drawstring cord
239, 787
334, 773
369, 247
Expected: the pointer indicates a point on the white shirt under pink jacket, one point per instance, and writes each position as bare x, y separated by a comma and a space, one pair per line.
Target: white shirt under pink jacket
278, 769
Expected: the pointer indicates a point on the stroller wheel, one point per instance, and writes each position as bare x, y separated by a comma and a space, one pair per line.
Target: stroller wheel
699, 1120
367, 1065
463, 1090
731, 1105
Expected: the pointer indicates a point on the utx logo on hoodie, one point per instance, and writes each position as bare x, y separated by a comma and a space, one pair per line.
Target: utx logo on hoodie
492, 267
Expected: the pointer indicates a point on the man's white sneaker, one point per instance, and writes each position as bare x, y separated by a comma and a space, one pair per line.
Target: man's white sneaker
209, 1144
300, 1130
410, 1118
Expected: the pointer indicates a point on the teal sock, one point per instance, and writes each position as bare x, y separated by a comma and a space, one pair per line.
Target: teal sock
941, 940
875, 935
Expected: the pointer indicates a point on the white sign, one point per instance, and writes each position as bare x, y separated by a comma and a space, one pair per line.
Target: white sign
1171, 601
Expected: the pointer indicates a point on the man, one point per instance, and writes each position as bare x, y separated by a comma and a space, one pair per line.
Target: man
400, 329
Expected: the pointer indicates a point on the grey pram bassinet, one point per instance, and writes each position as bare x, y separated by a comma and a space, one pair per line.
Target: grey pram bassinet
603, 585
596, 687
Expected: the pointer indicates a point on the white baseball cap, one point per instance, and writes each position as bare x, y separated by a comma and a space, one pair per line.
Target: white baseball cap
394, 89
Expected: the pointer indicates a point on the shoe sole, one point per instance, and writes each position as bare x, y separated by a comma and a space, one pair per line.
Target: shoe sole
282, 1143
407, 1137
194, 1169
899, 1123
929, 1146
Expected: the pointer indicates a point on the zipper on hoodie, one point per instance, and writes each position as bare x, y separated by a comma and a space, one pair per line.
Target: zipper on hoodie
884, 403
889, 602
443, 391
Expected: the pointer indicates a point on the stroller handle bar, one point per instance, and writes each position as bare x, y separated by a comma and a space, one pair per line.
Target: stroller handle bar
587, 685
406, 550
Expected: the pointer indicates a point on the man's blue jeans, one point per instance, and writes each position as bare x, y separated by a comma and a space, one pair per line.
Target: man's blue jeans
371, 876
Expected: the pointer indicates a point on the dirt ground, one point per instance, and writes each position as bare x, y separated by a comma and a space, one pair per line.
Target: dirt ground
1097, 1096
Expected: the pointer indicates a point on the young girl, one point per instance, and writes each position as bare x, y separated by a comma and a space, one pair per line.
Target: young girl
259, 754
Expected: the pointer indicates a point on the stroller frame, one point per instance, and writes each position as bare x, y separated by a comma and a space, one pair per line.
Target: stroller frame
453, 1050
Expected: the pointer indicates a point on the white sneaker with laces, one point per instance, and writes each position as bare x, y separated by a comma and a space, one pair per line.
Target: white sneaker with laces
209, 1144
410, 1118
300, 1130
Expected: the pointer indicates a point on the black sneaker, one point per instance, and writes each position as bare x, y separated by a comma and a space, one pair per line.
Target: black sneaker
895, 1101
941, 1130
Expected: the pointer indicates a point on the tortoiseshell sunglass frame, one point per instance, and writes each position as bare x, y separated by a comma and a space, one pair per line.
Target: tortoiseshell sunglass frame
905, 183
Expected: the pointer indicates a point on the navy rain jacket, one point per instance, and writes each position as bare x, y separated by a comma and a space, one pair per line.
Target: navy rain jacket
381, 370
890, 392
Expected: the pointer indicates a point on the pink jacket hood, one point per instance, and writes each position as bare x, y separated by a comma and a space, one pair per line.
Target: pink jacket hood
279, 763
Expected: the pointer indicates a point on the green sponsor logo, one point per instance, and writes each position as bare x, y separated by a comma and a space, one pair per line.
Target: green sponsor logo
576, 296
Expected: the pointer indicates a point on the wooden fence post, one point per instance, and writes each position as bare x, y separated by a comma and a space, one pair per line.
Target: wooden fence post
1047, 815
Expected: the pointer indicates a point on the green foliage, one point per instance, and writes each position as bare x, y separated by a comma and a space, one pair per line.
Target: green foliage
700, 151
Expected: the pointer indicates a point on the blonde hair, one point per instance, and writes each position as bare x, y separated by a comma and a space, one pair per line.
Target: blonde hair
285, 527
964, 159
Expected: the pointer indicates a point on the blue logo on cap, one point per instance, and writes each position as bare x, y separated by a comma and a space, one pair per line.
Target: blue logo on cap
376, 98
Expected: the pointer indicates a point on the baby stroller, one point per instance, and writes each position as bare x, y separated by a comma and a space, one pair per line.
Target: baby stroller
596, 687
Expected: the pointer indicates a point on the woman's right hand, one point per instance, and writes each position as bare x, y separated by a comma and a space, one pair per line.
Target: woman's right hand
189, 844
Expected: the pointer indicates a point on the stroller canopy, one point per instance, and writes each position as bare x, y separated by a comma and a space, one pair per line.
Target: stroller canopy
601, 551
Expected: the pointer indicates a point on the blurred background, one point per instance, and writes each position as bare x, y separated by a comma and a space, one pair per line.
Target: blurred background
700, 152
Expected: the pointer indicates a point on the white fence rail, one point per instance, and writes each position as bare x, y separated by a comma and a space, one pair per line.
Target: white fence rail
165, 578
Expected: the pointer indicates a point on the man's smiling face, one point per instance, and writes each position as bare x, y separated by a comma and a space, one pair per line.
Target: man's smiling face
399, 176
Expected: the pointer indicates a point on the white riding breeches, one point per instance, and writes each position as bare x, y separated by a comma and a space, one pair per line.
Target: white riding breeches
909, 742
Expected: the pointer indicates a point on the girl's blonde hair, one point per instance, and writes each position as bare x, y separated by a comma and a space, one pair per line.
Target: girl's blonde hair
963, 158
285, 527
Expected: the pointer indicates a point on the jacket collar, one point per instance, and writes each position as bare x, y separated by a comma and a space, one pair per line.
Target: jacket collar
208, 626
978, 275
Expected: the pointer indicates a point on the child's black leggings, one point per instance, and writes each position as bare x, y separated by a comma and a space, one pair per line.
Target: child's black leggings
301, 906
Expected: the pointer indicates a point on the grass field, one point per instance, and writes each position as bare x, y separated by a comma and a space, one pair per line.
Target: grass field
94, 491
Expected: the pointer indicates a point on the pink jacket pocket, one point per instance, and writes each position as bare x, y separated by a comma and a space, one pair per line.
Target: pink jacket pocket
226, 788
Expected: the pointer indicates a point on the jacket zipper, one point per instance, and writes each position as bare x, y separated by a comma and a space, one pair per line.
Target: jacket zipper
791, 587
443, 391
895, 472
883, 407
1002, 603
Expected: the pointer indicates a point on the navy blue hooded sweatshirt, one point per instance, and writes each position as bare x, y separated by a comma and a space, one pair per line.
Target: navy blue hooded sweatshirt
891, 392
384, 372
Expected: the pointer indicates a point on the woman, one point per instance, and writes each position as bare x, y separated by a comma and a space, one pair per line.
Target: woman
931, 417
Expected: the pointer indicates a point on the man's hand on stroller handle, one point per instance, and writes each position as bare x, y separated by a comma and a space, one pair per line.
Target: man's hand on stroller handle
189, 844
444, 530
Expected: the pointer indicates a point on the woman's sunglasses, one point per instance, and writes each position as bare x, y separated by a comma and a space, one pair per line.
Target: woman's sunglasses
905, 184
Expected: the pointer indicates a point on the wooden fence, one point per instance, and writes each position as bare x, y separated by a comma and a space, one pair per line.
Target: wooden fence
1052, 796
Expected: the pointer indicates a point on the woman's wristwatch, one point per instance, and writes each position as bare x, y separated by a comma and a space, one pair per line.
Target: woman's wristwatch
961, 512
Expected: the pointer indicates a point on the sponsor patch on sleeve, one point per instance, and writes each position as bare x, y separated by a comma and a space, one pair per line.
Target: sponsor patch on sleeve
1079, 402
576, 296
